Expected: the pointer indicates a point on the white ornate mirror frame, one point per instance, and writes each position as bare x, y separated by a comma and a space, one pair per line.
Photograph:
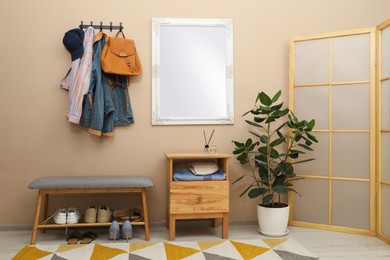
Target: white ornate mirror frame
192, 75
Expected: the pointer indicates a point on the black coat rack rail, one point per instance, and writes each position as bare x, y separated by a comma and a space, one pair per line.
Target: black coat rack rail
102, 27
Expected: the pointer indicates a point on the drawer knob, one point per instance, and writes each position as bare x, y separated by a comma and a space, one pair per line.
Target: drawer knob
200, 198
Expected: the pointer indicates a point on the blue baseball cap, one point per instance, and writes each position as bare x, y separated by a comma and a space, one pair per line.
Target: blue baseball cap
73, 41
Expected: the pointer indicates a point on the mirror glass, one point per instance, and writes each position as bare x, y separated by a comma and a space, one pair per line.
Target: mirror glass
192, 79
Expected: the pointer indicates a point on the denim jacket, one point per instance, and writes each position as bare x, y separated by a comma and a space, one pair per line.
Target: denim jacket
107, 103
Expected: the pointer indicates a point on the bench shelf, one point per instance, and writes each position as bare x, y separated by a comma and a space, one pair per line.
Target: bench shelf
83, 188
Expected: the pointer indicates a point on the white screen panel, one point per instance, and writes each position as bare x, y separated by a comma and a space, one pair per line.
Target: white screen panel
385, 105
312, 103
351, 107
351, 204
385, 52
386, 157
351, 58
313, 205
320, 166
351, 155
386, 210
311, 62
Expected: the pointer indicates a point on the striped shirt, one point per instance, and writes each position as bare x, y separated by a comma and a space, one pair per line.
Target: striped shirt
78, 78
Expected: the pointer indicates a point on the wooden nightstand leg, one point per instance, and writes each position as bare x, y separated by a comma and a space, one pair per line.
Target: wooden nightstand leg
172, 227
36, 219
225, 225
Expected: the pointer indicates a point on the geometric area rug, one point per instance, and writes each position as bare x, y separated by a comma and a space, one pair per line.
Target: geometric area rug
284, 248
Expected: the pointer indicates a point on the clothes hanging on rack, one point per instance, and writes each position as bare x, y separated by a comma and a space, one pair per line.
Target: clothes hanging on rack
104, 98
78, 79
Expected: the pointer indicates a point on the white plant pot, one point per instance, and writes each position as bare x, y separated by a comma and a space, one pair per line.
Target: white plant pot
273, 221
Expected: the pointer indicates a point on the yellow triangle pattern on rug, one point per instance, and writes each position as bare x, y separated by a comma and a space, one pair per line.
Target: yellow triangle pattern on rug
103, 252
175, 252
64, 248
275, 242
31, 253
207, 244
142, 245
248, 251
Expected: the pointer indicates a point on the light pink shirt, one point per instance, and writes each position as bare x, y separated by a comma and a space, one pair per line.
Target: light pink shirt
78, 78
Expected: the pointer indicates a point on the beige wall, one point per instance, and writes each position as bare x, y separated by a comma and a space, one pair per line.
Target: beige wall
36, 140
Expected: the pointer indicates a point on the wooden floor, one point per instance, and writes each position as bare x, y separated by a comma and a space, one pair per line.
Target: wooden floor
324, 244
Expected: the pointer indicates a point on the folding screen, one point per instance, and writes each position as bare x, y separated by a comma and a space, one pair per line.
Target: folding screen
383, 134
332, 79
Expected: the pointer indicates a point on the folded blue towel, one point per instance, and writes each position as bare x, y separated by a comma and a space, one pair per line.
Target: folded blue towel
182, 173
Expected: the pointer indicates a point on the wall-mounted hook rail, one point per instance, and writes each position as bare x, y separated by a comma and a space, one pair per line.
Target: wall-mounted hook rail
101, 26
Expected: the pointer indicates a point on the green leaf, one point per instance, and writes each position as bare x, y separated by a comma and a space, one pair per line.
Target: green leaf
281, 189
243, 158
288, 169
238, 179
290, 189
310, 125
277, 96
261, 158
293, 155
276, 142
239, 150
263, 150
297, 151
281, 113
259, 119
307, 160
253, 112
255, 134
265, 99
279, 180
280, 134
311, 137
264, 139
238, 144
248, 142
270, 119
256, 192
306, 147
276, 107
267, 199
253, 123
274, 154
263, 173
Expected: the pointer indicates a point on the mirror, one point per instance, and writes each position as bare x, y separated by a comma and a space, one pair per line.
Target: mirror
192, 75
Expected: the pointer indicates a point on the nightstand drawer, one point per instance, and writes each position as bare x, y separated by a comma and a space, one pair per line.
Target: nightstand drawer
199, 197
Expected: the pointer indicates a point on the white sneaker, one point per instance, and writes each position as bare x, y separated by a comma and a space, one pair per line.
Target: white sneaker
60, 216
73, 216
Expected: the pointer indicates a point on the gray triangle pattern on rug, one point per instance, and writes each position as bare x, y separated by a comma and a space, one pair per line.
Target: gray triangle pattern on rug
209, 256
56, 257
291, 256
137, 257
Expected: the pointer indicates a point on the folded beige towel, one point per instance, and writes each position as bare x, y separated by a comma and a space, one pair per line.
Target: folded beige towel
202, 168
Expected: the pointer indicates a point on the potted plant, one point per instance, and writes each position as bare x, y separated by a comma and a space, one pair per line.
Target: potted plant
280, 138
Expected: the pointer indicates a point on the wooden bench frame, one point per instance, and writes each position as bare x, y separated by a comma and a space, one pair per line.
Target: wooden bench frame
43, 199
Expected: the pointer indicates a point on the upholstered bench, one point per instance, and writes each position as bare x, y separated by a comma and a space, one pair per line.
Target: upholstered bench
50, 185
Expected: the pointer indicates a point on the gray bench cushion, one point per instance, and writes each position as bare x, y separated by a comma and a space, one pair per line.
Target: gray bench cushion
89, 182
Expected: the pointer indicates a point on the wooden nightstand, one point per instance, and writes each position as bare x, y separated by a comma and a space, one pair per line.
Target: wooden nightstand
197, 199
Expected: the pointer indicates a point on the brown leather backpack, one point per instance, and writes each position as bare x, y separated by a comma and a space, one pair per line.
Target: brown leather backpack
120, 57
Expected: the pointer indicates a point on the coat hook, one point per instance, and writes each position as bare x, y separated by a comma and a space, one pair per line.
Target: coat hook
101, 26
110, 26
120, 27
91, 23
81, 25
